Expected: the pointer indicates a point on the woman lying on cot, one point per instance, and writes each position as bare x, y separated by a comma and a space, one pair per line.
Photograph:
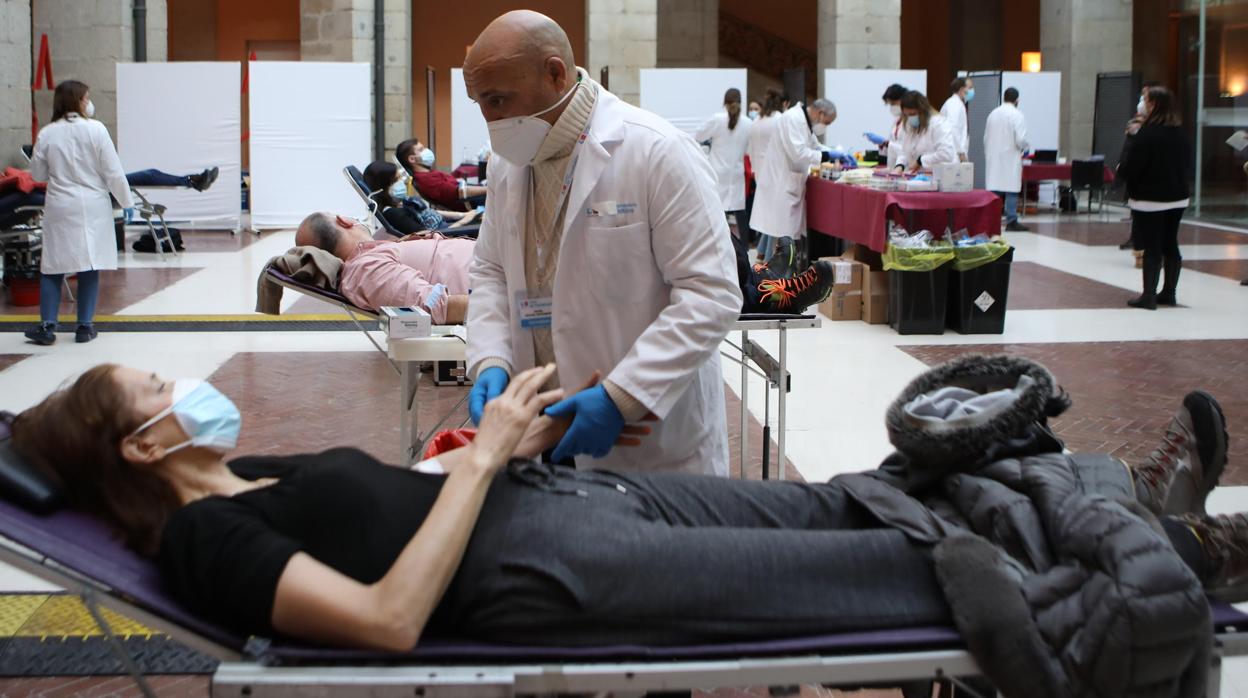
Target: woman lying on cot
485, 543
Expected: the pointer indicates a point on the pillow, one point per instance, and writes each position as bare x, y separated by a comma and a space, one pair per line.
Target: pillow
20, 481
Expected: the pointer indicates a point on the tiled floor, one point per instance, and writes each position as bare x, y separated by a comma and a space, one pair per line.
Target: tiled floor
1125, 368
118, 289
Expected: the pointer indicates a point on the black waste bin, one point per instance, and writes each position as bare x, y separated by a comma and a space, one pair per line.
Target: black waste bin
917, 300
977, 297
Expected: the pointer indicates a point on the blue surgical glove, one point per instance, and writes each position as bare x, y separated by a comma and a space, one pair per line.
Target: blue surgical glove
875, 138
596, 424
848, 162
490, 384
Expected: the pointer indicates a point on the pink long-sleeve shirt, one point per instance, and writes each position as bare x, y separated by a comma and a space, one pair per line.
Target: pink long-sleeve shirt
404, 273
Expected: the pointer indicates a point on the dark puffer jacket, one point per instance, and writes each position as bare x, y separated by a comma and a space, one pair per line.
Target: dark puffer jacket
1061, 584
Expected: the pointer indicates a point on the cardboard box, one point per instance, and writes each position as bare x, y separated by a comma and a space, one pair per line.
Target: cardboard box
875, 297
405, 322
957, 176
845, 301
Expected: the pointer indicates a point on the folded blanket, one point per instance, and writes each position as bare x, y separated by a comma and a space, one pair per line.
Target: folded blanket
309, 265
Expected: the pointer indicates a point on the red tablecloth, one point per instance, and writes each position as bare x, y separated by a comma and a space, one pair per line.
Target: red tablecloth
1045, 171
859, 214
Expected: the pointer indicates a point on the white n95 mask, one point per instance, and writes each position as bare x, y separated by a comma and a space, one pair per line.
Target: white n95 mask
517, 139
894, 109
819, 129
208, 417
90, 109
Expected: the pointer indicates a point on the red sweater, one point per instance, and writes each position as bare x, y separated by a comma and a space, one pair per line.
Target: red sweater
440, 188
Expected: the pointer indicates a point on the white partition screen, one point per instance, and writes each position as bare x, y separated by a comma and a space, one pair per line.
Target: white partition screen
1040, 101
468, 130
182, 118
308, 121
860, 108
687, 97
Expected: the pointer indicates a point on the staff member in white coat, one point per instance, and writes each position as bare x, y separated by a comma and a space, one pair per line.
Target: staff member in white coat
760, 138
605, 251
954, 111
75, 156
1005, 141
890, 145
792, 149
927, 141
729, 134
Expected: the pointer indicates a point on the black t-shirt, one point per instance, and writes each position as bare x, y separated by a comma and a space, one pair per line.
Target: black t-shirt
223, 556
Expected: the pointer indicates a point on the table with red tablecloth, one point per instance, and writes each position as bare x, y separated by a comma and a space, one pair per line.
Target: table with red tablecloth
861, 214
1051, 171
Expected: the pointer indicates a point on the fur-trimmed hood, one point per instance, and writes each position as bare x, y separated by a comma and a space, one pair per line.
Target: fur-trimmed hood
959, 443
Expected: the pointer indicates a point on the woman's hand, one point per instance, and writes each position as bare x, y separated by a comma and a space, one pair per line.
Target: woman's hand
545, 432
507, 418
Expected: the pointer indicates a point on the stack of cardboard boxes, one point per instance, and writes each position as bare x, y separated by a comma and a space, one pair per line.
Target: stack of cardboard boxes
861, 287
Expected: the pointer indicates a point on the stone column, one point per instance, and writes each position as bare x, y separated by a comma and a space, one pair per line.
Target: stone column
859, 34
688, 34
342, 31
1080, 39
623, 35
15, 80
87, 40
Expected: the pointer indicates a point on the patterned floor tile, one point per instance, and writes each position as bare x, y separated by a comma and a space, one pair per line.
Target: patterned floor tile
1037, 287
7, 360
1090, 231
219, 240
300, 403
119, 288
1125, 392
1236, 269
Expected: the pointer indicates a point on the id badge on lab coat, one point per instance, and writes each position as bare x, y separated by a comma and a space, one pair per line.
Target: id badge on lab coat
535, 313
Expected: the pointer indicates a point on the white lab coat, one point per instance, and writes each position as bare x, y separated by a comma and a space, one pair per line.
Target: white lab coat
954, 112
645, 289
76, 157
895, 140
1005, 141
931, 147
791, 149
727, 157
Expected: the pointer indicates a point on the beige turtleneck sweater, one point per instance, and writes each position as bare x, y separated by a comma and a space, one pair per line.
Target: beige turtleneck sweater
543, 229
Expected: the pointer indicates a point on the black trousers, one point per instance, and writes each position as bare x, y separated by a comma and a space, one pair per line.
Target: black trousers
1157, 233
564, 557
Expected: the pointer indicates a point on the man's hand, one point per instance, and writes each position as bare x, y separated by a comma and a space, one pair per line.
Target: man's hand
596, 424
490, 384
546, 431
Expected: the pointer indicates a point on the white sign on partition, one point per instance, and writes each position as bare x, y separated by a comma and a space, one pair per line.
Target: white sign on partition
182, 118
860, 108
308, 121
687, 97
1040, 101
469, 134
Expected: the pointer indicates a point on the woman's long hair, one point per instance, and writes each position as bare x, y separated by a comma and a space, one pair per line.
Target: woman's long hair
379, 176
75, 436
774, 101
916, 100
732, 103
1165, 112
68, 99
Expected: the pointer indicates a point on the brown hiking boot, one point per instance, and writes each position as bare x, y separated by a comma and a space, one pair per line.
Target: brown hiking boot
1224, 540
1181, 472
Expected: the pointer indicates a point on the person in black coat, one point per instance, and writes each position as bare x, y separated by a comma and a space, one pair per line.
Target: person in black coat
1155, 164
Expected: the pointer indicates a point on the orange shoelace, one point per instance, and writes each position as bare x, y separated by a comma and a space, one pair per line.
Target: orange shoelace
785, 290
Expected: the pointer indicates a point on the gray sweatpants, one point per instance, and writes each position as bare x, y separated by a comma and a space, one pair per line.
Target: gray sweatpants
565, 557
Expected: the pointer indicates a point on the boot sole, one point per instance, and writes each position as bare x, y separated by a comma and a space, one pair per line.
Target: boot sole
1204, 410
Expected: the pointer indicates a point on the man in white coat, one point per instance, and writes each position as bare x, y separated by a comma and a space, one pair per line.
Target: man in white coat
605, 251
954, 111
792, 148
1005, 142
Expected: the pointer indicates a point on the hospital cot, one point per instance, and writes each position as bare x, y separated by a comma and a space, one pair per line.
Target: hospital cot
80, 554
449, 344
356, 179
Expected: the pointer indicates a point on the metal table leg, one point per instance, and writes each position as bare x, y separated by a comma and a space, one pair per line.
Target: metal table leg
409, 379
745, 404
783, 390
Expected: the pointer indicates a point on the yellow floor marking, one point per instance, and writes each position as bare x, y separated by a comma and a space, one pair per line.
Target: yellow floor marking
16, 609
65, 616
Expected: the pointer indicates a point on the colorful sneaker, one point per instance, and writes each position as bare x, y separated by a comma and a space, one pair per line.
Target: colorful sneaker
795, 295
43, 334
783, 259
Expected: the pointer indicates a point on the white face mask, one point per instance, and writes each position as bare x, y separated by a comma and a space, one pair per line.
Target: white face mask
1139, 107
89, 112
819, 128
895, 110
517, 139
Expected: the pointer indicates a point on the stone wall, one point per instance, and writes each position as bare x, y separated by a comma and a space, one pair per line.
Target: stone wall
1081, 38
15, 80
623, 36
688, 34
859, 34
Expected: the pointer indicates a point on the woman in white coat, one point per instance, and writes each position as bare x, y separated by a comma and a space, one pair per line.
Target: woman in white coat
76, 157
928, 141
792, 149
756, 148
1005, 141
729, 135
